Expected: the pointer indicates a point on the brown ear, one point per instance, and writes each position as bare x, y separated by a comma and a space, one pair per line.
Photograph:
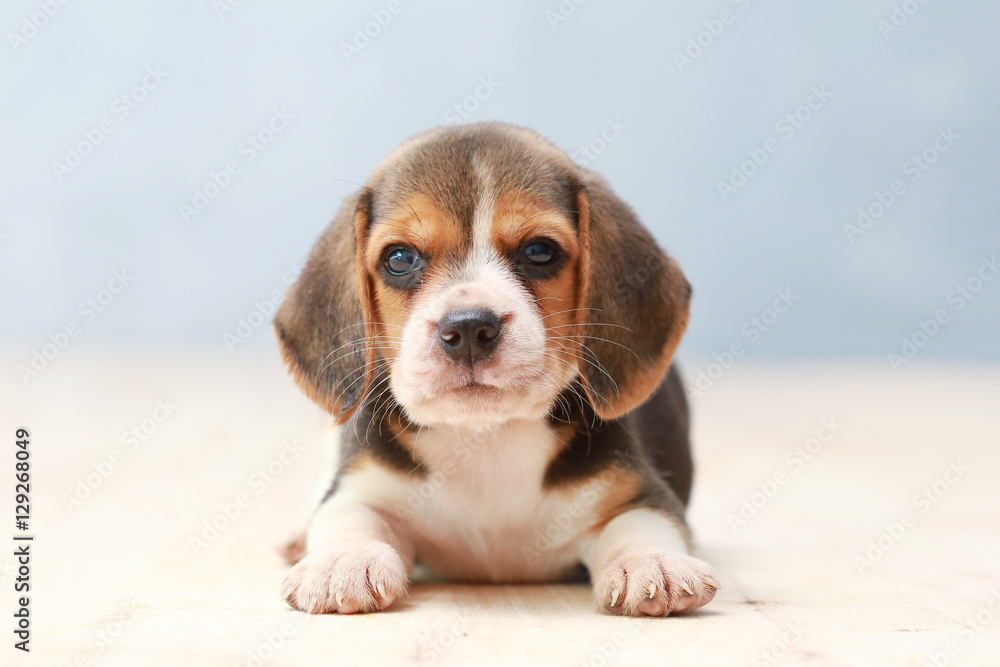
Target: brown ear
634, 303
324, 324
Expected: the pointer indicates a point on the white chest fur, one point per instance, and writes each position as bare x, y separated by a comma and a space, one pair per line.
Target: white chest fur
480, 512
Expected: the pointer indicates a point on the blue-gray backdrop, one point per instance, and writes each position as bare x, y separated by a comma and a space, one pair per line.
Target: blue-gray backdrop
826, 173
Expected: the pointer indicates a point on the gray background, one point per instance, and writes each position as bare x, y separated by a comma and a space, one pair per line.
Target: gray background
60, 240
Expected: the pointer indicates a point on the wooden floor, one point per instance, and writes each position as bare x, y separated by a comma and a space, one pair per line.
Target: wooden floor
823, 498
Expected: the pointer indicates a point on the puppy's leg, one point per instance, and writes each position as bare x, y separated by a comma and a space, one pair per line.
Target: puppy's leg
356, 561
640, 566
295, 549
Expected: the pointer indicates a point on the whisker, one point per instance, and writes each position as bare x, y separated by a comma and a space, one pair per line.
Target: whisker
351, 352
571, 310
605, 340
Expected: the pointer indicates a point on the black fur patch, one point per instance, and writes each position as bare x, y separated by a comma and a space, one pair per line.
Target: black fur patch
369, 432
651, 441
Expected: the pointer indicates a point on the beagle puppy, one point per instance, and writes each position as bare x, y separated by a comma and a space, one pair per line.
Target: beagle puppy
491, 329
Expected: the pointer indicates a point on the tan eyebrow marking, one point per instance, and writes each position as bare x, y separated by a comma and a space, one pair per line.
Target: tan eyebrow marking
419, 222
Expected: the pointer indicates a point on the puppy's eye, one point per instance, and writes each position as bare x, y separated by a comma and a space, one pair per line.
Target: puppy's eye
400, 261
539, 253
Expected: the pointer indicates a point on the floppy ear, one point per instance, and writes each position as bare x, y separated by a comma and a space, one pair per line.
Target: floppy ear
324, 324
634, 303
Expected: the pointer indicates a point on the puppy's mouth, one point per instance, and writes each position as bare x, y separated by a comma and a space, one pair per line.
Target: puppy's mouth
472, 381
475, 395
482, 385
478, 389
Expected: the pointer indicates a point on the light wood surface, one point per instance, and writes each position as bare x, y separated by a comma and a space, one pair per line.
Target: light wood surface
116, 580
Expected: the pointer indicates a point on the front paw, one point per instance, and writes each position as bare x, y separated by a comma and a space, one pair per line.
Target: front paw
652, 581
346, 579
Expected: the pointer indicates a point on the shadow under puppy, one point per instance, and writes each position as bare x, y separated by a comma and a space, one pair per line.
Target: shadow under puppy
492, 329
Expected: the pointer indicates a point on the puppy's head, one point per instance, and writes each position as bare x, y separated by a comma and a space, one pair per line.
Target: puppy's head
478, 275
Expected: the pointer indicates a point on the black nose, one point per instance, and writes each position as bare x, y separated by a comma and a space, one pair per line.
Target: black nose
469, 334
